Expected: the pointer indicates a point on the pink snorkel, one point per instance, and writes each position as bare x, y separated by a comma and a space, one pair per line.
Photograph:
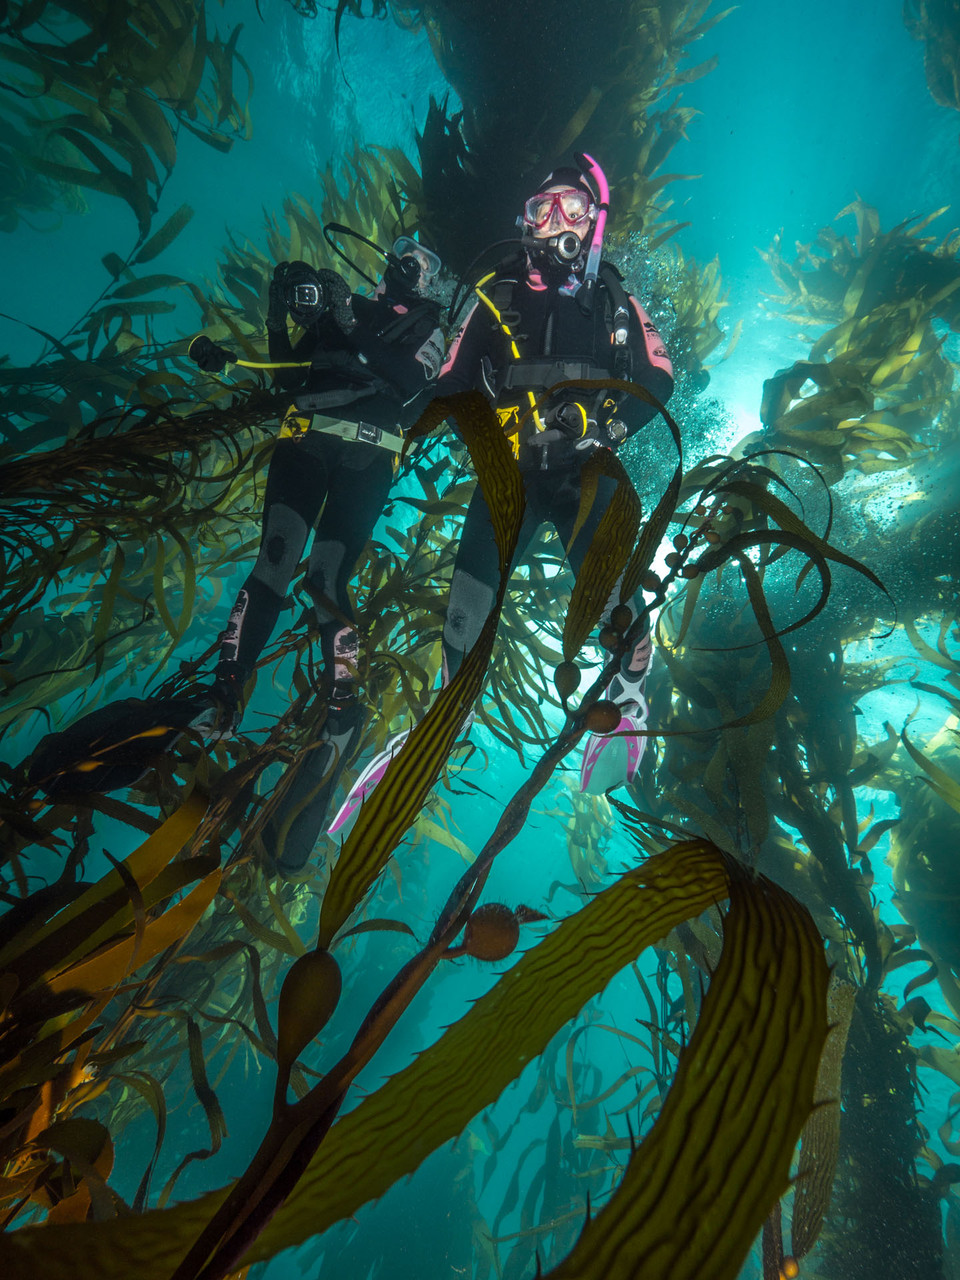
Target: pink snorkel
585, 292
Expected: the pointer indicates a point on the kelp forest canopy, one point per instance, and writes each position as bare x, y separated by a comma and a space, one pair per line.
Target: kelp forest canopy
707, 1025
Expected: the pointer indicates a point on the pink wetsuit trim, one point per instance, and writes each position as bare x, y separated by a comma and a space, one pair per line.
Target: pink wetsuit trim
656, 351
451, 356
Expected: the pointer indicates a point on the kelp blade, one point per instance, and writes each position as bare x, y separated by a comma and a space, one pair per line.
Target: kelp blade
431, 1101
697, 1191
607, 555
396, 802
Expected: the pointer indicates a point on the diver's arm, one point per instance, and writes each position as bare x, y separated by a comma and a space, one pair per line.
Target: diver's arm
651, 367
410, 369
462, 368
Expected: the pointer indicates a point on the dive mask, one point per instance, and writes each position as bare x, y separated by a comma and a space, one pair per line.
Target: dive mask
418, 265
574, 207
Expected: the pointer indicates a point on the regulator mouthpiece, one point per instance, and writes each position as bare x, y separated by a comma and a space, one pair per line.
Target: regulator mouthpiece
567, 246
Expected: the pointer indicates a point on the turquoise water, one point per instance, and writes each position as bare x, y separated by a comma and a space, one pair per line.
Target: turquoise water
809, 108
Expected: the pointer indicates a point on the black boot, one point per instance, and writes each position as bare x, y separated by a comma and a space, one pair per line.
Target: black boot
220, 708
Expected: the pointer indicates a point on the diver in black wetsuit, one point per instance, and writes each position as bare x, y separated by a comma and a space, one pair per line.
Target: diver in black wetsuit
372, 366
572, 319
373, 362
555, 314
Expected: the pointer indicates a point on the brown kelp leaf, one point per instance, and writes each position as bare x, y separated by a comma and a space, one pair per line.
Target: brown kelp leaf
163, 238
65, 938
938, 779
820, 1145
206, 1096
111, 966
607, 554
379, 925
791, 523
395, 803
697, 1191
491, 457
780, 674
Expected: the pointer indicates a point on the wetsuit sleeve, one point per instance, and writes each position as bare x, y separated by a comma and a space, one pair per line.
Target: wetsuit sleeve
407, 368
463, 368
651, 367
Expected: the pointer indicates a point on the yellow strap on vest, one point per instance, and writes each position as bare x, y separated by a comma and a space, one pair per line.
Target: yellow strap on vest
515, 352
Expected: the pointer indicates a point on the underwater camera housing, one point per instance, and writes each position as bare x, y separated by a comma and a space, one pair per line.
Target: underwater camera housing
304, 293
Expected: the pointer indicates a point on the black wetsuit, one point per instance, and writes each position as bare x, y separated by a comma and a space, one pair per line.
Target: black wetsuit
550, 327
378, 375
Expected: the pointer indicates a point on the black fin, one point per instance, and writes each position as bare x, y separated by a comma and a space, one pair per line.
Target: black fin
292, 832
111, 747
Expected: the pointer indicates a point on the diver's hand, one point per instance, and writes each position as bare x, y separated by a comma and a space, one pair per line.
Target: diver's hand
277, 309
339, 299
210, 357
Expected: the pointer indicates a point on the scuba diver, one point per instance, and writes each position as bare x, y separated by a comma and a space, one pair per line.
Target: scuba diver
371, 364
360, 372
553, 312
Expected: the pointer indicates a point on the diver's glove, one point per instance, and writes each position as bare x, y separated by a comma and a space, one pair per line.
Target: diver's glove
209, 356
277, 308
339, 294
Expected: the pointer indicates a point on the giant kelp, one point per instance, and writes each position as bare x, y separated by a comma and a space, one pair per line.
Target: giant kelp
494, 1020
618, 99
386, 1010
792, 811
94, 98
876, 394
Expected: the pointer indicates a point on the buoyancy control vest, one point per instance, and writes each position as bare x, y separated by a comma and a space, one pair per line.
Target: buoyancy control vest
544, 429
538, 373
406, 337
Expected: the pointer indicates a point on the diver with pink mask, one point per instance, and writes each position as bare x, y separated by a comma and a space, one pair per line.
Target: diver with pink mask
553, 312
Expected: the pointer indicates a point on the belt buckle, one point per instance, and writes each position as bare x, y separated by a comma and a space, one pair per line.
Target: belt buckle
368, 433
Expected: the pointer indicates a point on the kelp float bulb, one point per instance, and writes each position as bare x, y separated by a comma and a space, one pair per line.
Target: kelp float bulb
650, 582
789, 1269
680, 541
308, 997
491, 932
603, 717
567, 679
621, 617
608, 638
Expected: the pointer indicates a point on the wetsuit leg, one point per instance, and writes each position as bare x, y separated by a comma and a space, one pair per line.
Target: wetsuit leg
359, 481
296, 487
566, 505
476, 576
